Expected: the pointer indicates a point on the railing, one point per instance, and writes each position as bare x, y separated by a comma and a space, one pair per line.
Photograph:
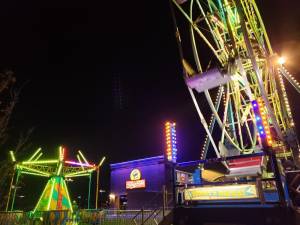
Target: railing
12, 218
154, 216
83, 217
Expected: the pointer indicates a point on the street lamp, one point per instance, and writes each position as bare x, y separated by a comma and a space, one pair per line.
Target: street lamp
97, 185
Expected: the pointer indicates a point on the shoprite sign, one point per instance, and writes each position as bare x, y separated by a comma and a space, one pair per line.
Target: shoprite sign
228, 192
135, 181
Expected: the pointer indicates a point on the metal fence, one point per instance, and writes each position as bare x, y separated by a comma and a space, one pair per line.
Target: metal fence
84, 217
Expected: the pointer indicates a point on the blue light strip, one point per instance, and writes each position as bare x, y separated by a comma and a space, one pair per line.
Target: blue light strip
137, 161
258, 120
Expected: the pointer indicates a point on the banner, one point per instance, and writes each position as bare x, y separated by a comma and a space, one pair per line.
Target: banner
228, 192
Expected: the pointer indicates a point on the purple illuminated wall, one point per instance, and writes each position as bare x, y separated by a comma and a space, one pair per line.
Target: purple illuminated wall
155, 170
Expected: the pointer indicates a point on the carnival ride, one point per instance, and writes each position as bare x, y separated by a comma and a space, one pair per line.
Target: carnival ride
235, 62
238, 86
55, 195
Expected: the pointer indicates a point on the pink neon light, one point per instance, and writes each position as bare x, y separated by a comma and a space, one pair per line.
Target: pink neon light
79, 164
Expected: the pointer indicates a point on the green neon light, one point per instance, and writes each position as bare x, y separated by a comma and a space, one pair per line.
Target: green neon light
80, 153
68, 196
33, 170
80, 172
41, 196
59, 169
77, 175
51, 193
39, 156
34, 174
40, 162
36, 152
12, 156
89, 193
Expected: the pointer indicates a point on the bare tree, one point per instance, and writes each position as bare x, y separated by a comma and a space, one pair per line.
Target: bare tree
8, 100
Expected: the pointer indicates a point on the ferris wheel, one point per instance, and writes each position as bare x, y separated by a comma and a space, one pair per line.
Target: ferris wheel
228, 61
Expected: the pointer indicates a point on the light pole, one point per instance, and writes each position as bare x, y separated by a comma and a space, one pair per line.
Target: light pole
97, 184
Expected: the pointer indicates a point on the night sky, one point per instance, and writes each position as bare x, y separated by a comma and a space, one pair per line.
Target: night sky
79, 58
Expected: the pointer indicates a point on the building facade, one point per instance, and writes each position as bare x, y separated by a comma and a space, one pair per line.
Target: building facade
143, 183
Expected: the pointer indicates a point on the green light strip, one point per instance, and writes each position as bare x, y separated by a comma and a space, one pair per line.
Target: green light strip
51, 193
81, 172
36, 152
40, 162
12, 156
78, 175
59, 169
38, 157
67, 191
33, 170
35, 174
41, 196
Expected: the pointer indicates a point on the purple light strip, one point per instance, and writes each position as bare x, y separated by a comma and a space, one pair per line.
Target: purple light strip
79, 164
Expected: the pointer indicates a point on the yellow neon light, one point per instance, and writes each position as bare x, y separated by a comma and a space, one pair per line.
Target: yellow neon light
59, 169
36, 152
101, 162
40, 162
39, 156
51, 192
34, 174
80, 153
33, 170
45, 188
80, 161
228, 192
12, 156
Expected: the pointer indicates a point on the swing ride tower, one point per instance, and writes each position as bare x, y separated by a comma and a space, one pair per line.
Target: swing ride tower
55, 195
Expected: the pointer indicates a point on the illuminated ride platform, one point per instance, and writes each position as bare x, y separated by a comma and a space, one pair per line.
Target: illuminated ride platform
237, 84
208, 192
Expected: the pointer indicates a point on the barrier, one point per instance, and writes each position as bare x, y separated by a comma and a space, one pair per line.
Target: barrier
81, 217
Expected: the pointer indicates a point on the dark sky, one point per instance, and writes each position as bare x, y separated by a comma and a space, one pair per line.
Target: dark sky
70, 52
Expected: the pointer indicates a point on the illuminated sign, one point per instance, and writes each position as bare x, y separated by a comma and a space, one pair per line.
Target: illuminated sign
135, 184
171, 142
228, 192
135, 174
135, 181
